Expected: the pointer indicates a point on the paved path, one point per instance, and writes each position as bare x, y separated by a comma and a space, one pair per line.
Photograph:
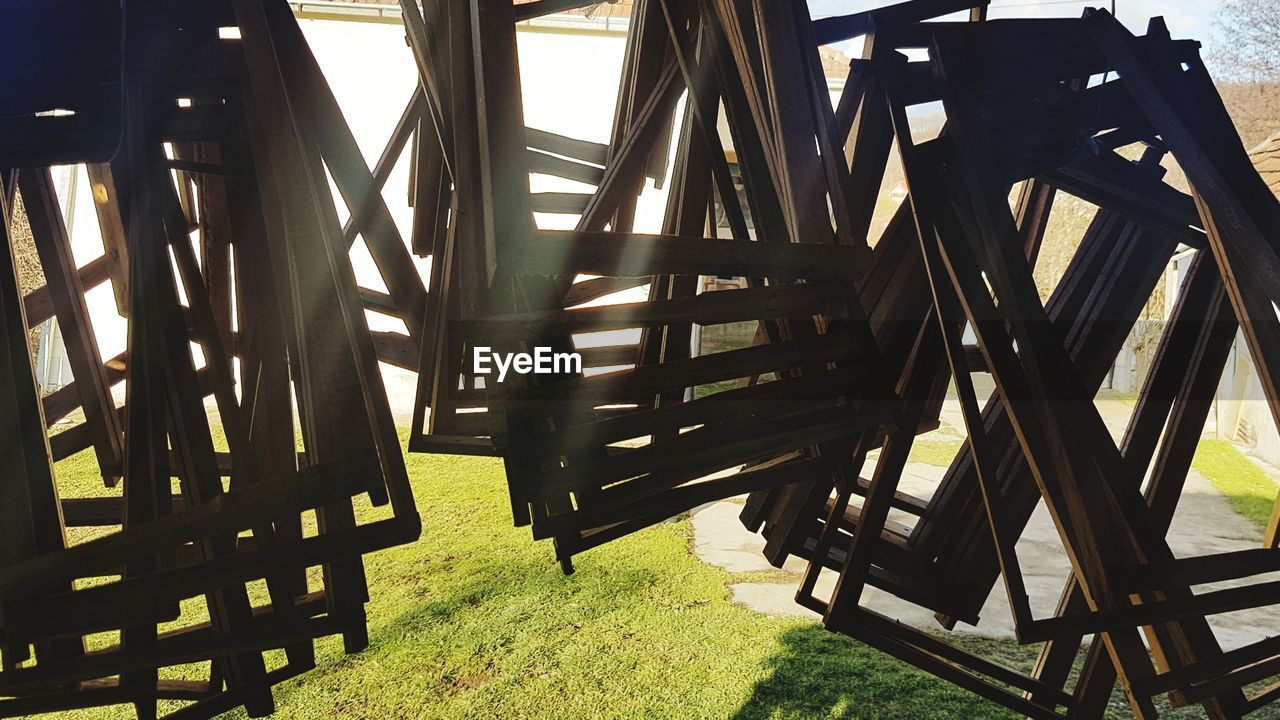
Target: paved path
1204, 524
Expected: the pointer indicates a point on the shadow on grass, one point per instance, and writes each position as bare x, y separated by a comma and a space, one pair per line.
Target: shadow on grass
799, 684
823, 675
820, 674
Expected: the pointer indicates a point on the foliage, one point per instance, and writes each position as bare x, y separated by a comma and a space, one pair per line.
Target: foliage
1247, 35
26, 262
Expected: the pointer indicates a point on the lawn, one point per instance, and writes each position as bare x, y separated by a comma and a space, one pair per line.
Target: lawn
938, 453
1251, 492
476, 621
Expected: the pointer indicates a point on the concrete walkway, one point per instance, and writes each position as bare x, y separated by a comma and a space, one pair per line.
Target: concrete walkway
1204, 524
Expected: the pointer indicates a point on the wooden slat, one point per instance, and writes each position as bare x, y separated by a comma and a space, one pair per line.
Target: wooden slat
72, 312
632, 255
845, 27
781, 301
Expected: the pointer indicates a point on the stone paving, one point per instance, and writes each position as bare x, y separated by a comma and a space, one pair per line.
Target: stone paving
1204, 524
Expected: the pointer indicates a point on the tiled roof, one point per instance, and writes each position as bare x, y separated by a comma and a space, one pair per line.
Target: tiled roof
604, 8
835, 64
1266, 157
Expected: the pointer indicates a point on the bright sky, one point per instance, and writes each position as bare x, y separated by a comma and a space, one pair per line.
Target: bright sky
1186, 18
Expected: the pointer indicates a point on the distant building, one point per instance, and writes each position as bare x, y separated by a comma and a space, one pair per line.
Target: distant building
1243, 413
1266, 158
52, 367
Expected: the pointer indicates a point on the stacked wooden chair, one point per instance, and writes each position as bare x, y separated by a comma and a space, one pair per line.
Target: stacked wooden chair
200, 574
860, 338
205, 576
448, 387
592, 457
1020, 109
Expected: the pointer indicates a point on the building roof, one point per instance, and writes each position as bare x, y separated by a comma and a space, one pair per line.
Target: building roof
835, 64
602, 9
1266, 157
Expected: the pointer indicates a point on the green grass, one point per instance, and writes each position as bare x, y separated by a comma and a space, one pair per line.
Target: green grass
709, 389
1251, 492
1129, 398
723, 338
476, 621
939, 453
